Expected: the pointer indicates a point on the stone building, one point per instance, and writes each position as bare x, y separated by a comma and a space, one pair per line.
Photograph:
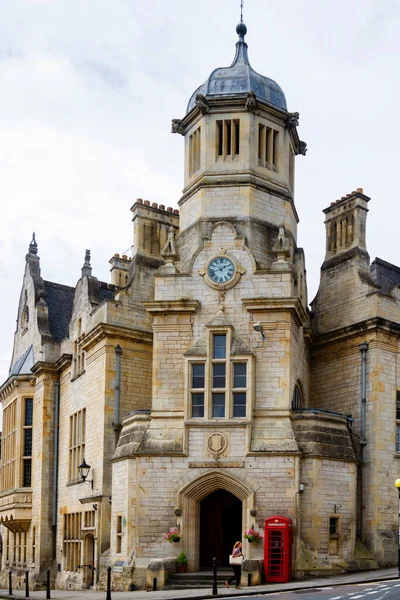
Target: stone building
197, 385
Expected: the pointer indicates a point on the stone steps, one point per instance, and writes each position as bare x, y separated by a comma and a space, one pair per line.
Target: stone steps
200, 579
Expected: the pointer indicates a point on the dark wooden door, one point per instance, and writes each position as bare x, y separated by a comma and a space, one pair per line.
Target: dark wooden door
220, 527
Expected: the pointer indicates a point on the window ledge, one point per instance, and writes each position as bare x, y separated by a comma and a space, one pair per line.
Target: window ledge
74, 482
234, 422
396, 455
77, 375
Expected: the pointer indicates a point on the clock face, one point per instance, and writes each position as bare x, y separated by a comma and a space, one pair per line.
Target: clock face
221, 269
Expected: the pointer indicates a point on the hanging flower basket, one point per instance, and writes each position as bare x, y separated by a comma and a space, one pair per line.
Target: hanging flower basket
252, 536
173, 535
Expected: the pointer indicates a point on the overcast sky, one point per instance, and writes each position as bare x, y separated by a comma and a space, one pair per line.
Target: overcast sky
88, 89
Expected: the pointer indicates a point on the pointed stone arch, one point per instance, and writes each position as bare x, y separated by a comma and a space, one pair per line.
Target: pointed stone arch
192, 492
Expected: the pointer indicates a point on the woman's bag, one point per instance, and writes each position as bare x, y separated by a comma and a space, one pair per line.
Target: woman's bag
236, 560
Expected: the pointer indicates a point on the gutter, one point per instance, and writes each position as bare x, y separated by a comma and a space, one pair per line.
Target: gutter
363, 441
55, 463
117, 393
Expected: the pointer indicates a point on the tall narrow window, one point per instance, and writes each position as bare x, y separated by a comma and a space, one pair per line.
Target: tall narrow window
78, 358
236, 139
275, 149
77, 425
218, 375
9, 448
227, 138
72, 541
296, 400
194, 151
219, 346
119, 535
8, 546
261, 143
219, 138
239, 389
198, 389
398, 421
33, 545
27, 456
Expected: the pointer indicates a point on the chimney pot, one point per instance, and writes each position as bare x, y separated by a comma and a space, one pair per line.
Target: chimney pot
139, 200
116, 255
154, 205
161, 207
147, 203
124, 256
169, 209
176, 211
360, 190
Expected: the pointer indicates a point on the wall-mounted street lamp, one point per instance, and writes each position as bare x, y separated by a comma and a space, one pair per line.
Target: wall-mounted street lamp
84, 469
258, 327
397, 484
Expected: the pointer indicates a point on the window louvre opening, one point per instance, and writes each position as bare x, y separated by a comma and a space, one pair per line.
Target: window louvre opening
268, 147
228, 138
194, 151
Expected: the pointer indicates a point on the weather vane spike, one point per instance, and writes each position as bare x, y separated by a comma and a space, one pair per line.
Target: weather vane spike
241, 11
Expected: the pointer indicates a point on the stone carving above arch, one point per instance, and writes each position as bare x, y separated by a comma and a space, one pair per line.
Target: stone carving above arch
217, 444
226, 224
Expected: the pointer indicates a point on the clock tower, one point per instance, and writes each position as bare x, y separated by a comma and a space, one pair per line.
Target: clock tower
221, 449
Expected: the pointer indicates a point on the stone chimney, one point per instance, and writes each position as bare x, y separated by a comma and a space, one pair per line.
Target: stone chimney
151, 224
345, 225
120, 270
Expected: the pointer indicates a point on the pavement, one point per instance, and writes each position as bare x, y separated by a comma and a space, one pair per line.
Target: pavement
200, 594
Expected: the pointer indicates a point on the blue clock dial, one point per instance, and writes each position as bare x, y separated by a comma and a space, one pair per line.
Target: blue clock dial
221, 269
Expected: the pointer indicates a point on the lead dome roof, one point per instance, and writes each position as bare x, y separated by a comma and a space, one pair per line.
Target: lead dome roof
240, 78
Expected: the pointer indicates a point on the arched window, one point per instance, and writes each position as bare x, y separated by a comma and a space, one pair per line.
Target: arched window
296, 400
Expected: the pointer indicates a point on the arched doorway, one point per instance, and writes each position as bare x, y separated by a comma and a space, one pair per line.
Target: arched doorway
220, 527
190, 499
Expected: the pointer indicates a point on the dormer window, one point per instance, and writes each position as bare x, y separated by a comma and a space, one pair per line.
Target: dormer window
194, 151
268, 147
228, 138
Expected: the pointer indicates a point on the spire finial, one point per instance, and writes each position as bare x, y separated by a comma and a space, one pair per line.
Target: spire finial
241, 28
33, 247
87, 267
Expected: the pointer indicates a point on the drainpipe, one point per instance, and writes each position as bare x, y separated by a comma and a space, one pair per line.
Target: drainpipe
363, 441
117, 392
55, 462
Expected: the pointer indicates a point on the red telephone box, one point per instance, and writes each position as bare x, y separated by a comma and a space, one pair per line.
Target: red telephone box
278, 549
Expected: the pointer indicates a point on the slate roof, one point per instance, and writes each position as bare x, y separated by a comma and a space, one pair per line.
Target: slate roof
240, 78
59, 299
385, 275
107, 290
24, 363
